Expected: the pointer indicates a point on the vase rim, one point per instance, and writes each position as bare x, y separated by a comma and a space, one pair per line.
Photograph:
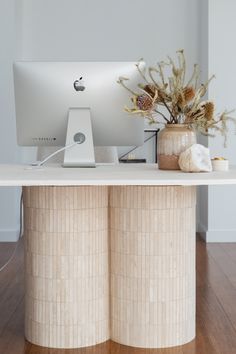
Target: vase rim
176, 125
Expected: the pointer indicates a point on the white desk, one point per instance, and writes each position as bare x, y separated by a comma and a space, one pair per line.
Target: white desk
123, 174
109, 253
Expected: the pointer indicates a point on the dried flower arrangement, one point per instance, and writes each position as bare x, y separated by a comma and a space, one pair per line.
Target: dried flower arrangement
170, 99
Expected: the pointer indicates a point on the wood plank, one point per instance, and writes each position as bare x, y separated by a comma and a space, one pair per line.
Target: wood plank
11, 289
214, 322
230, 249
225, 260
12, 340
223, 269
5, 252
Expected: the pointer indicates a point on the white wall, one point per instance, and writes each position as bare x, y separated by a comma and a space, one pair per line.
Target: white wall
9, 153
108, 30
221, 59
202, 200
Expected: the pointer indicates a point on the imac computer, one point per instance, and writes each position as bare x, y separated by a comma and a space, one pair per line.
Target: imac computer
75, 104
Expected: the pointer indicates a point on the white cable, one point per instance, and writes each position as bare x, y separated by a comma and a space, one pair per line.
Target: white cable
41, 163
19, 235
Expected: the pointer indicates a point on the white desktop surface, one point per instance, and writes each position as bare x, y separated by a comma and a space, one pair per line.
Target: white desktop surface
122, 174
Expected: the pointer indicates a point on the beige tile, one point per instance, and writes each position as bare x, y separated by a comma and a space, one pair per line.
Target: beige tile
149, 272
66, 264
152, 265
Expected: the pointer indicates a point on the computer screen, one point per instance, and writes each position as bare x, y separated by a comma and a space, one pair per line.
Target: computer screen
45, 91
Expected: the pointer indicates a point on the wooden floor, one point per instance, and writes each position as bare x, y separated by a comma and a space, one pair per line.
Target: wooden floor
216, 307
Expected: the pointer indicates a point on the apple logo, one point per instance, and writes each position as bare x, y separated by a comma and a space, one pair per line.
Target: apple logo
79, 85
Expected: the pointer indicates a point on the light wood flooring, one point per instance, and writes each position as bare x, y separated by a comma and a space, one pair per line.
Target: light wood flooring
216, 307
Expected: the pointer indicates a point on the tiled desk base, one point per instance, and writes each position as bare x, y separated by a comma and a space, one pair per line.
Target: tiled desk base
141, 293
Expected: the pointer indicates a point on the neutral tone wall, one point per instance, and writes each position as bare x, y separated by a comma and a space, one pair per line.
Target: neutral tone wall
202, 205
9, 153
108, 30
221, 62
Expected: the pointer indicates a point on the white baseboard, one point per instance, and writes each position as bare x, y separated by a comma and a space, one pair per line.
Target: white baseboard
9, 235
220, 236
227, 235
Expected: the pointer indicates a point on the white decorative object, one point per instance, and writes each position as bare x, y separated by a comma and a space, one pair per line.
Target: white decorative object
220, 165
195, 159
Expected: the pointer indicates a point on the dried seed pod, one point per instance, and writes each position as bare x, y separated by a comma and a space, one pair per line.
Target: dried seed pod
189, 94
150, 89
181, 100
144, 102
209, 110
185, 96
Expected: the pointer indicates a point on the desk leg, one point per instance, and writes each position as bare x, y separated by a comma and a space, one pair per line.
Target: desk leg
66, 266
152, 265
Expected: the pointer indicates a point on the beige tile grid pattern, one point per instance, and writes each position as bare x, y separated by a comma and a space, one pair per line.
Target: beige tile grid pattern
152, 232
66, 266
152, 265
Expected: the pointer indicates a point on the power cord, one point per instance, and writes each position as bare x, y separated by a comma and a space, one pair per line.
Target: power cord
19, 235
41, 163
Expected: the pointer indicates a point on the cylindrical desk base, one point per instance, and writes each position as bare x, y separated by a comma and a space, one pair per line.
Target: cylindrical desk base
152, 232
66, 266
152, 265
